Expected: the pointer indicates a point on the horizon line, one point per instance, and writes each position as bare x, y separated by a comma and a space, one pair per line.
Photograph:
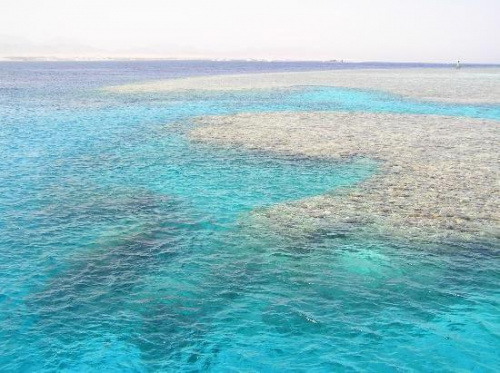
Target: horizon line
55, 58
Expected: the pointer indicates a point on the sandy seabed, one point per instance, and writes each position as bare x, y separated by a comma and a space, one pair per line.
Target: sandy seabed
438, 176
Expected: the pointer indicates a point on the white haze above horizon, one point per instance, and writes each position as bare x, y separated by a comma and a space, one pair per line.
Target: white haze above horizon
380, 30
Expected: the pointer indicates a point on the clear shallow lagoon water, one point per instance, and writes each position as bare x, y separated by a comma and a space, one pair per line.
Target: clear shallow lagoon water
124, 247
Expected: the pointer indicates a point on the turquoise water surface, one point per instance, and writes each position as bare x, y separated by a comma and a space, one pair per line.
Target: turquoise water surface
124, 247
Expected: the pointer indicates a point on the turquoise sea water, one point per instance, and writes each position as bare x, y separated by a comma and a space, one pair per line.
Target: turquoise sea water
124, 247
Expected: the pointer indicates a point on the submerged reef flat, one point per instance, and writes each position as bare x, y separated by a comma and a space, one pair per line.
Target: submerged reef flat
467, 86
438, 176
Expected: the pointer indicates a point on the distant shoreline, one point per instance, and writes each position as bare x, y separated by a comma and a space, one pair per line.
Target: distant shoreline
339, 62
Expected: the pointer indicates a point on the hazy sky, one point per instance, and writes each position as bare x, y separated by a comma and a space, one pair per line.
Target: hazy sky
397, 30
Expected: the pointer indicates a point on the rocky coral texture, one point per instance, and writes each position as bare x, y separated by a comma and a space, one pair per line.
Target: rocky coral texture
439, 176
473, 85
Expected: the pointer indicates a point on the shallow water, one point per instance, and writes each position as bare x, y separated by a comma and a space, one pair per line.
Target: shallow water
124, 247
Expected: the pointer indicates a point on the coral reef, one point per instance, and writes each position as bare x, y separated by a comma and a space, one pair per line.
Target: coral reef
438, 176
467, 86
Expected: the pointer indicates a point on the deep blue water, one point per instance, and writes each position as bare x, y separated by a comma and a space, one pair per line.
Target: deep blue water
124, 247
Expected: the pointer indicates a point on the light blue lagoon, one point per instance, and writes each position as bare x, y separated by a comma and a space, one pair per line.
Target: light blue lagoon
125, 247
